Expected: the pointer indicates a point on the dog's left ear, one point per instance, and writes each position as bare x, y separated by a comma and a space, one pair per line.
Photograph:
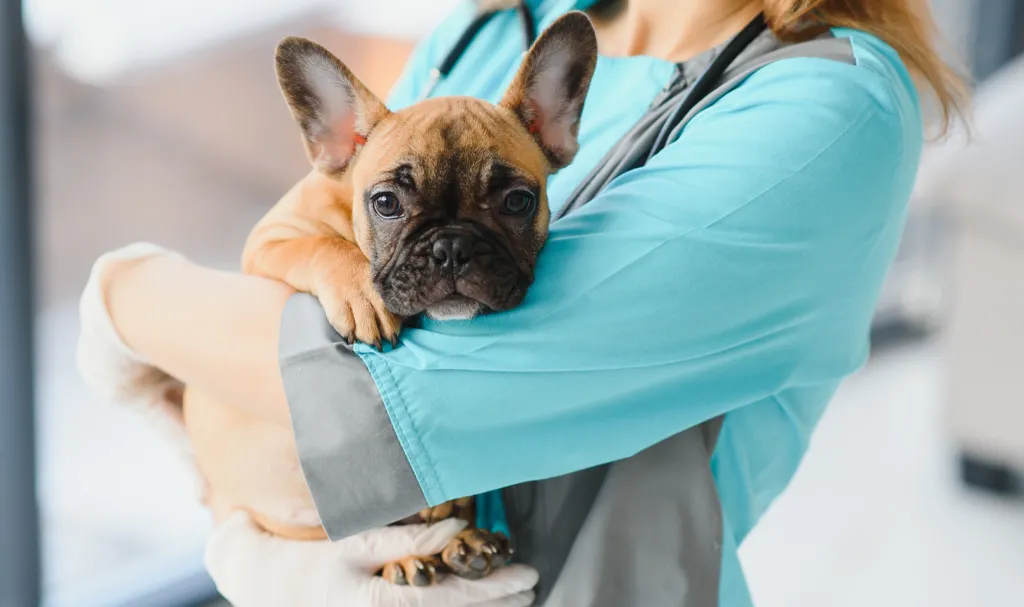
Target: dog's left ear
548, 91
335, 111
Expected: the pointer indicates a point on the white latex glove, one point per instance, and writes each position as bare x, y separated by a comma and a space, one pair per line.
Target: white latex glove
254, 569
109, 366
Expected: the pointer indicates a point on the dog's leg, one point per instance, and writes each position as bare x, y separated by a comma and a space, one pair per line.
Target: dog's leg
338, 274
463, 508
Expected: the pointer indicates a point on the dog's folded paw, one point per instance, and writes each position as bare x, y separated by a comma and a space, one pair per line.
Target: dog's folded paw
358, 314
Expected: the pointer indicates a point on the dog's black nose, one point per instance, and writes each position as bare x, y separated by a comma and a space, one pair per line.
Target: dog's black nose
453, 250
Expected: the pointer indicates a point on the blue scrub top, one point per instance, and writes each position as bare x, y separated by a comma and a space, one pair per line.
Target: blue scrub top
736, 273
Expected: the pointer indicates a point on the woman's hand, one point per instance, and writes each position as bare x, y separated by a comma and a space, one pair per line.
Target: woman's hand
254, 569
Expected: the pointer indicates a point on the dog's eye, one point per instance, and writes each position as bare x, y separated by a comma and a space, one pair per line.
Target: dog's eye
519, 202
386, 205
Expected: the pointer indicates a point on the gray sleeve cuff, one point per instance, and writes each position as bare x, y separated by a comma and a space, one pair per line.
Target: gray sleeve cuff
355, 467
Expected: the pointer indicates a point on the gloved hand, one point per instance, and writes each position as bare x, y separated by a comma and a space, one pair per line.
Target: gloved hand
254, 569
109, 366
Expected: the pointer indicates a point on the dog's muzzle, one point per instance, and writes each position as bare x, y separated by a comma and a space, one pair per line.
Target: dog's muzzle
455, 272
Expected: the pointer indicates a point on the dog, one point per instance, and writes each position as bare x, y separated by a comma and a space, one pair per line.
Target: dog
438, 209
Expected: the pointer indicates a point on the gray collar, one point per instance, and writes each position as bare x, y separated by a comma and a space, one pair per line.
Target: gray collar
690, 70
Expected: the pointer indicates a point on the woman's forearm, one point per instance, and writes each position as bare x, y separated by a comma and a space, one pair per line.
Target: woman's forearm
217, 331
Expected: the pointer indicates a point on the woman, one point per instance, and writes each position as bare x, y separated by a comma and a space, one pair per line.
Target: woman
694, 317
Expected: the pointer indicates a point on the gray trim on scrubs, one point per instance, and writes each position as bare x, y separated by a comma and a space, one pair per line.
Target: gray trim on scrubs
645, 531
351, 458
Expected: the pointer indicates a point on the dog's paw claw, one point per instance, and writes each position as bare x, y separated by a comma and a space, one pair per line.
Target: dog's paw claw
358, 316
394, 573
413, 571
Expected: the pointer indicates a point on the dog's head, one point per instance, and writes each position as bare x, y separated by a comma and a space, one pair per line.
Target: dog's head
449, 198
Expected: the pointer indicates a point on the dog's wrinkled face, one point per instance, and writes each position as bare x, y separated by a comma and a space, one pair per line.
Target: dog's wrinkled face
449, 200
453, 210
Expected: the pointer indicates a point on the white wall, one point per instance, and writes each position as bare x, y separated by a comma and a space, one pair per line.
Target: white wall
955, 19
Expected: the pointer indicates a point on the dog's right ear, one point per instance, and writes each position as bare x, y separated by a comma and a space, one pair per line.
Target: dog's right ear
548, 91
335, 111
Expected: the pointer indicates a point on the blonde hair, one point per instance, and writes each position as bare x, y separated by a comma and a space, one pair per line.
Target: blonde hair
905, 25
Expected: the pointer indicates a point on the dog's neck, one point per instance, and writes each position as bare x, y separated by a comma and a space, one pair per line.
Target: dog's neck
674, 30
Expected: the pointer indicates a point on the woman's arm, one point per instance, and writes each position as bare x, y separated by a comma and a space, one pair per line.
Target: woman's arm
217, 331
742, 262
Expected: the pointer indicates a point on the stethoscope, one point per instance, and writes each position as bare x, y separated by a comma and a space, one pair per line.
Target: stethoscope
670, 127
526, 23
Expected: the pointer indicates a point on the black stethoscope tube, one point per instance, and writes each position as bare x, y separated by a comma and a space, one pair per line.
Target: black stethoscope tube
529, 30
528, 26
709, 80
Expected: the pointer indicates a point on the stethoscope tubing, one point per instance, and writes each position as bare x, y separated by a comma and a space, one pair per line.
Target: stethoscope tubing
700, 90
529, 30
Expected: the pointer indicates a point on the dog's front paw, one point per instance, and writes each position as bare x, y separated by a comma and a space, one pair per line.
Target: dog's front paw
476, 553
414, 571
357, 313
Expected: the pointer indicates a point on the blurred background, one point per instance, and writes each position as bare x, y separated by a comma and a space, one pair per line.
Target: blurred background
161, 120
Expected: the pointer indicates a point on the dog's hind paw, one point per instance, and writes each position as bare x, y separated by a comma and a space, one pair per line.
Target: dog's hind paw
414, 571
476, 553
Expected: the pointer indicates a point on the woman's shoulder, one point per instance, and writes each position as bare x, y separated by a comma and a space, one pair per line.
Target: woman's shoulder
807, 124
872, 78
831, 95
882, 68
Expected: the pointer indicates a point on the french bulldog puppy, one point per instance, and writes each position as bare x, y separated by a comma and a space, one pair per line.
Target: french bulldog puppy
437, 209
